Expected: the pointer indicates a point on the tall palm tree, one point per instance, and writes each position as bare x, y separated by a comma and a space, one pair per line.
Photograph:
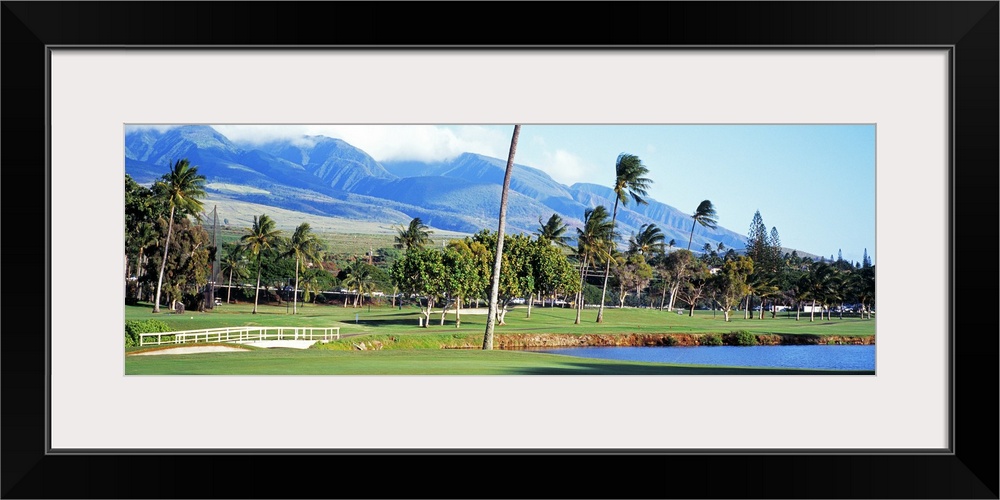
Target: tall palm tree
302, 245
417, 234
495, 280
629, 183
554, 230
704, 215
181, 188
233, 263
592, 246
261, 237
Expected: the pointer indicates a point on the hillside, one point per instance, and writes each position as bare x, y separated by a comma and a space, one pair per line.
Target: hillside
322, 177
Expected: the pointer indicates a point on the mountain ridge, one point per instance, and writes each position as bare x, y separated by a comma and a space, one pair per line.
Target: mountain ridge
328, 176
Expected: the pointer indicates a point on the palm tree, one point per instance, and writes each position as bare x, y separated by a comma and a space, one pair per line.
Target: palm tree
554, 230
233, 263
359, 274
302, 245
629, 183
591, 245
260, 238
820, 282
417, 234
495, 285
181, 188
648, 241
704, 215
310, 286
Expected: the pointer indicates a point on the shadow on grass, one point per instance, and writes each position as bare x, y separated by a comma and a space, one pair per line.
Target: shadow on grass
583, 368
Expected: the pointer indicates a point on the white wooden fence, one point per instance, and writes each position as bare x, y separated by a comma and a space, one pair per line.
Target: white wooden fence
241, 334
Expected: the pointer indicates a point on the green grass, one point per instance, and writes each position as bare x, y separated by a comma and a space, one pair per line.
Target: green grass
395, 321
412, 350
416, 362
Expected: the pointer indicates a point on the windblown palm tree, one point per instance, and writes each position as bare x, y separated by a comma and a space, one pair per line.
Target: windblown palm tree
417, 234
554, 230
181, 188
263, 236
303, 245
629, 183
592, 245
704, 215
648, 242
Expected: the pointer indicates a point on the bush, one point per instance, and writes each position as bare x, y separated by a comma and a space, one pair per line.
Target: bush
743, 337
135, 327
710, 339
591, 294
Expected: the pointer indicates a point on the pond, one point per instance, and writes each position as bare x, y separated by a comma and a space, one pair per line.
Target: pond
820, 357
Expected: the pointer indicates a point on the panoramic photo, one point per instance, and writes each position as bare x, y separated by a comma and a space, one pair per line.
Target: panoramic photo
482, 249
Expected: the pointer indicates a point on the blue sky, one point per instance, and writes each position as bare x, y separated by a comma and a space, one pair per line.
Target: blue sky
814, 183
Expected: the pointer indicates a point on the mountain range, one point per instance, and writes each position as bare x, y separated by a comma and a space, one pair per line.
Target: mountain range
325, 176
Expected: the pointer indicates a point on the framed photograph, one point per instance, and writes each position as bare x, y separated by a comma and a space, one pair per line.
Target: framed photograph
920, 76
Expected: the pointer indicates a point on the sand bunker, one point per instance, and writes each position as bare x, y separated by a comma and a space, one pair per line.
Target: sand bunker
190, 350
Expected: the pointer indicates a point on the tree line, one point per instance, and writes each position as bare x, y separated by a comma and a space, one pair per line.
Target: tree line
169, 257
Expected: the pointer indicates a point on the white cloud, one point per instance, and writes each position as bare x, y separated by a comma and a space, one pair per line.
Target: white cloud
385, 142
565, 167
158, 128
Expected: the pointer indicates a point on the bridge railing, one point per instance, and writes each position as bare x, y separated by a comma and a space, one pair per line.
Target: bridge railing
241, 334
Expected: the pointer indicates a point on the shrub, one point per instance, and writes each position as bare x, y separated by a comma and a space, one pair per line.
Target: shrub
135, 327
710, 339
743, 337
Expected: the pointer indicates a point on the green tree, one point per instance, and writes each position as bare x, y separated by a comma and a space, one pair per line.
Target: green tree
497, 262
259, 240
704, 215
730, 283
592, 247
648, 242
302, 246
554, 230
187, 265
551, 269
233, 263
421, 272
181, 189
461, 277
142, 211
360, 275
417, 234
517, 277
677, 268
629, 183
865, 289
819, 286
631, 273
695, 285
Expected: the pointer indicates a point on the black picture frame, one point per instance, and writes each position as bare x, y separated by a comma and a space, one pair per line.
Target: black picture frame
970, 470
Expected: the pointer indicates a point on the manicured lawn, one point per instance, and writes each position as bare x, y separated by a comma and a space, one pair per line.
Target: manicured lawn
396, 321
417, 351
414, 362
